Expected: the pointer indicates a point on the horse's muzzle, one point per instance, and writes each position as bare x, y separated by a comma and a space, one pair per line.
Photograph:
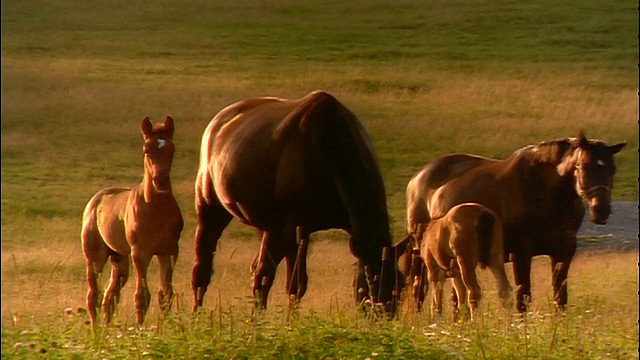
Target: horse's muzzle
599, 212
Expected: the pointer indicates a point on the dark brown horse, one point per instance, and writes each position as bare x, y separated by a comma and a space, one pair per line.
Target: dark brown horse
286, 166
124, 224
538, 193
468, 236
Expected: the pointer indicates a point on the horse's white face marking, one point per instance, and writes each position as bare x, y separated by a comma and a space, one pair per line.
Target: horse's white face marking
601, 163
161, 143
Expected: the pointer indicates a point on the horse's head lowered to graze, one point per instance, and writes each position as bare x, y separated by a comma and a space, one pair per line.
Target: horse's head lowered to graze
592, 166
400, 257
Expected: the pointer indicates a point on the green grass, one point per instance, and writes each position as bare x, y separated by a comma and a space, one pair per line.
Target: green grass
426, 79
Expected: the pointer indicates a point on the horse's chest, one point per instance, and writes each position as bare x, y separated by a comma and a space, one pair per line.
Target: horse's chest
154, 222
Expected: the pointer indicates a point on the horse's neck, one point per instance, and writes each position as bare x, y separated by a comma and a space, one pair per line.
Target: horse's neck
149, 192
543, 176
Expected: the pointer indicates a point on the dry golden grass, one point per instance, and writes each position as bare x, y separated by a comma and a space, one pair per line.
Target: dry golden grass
53, 278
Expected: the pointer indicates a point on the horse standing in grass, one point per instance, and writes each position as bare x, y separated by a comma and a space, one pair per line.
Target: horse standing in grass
454, 245
290, 167
539, 194
124, 224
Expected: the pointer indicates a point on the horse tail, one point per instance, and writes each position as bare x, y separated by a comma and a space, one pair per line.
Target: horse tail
485, 227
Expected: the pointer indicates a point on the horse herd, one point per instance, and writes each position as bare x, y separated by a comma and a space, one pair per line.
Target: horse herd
293, 167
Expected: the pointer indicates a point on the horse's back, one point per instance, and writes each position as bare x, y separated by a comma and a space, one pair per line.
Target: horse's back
469, 213
264, 157
424, 184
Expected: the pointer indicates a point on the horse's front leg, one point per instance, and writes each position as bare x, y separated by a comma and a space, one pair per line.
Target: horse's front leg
165, 294
419, 280
522, 275
272, 251
559, 273
504, 288
141, 262
296, 257
212, 220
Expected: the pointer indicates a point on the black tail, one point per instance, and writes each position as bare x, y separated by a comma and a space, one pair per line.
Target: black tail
484, 229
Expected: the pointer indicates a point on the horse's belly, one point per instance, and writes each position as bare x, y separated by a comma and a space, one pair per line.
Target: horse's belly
245, 191
112, 230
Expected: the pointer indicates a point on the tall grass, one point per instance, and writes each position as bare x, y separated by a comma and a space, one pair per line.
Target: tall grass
426, 79
596, 324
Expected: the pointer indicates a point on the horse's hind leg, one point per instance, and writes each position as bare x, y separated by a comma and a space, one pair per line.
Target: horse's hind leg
272, 252
296, 257
119, 277
459, 292
94, 267
143, 295
437, 278
165, 294
96, 256
470, 280
212, 220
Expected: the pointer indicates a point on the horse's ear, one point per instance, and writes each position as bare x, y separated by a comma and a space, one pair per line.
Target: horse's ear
146, 127
168, 126
617, 147
582, 140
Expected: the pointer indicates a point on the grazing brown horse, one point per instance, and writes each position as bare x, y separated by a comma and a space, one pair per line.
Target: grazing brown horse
454, 245
285, 167
538, 193
124, 224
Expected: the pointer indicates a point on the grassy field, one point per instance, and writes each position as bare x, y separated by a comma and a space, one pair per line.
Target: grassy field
426, 79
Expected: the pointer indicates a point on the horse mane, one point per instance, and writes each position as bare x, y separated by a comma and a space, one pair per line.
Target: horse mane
551, 152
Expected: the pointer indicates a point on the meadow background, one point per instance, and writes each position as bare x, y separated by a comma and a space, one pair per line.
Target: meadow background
425, 77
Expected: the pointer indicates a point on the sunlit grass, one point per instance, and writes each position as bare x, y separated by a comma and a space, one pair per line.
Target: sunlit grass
596, 323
